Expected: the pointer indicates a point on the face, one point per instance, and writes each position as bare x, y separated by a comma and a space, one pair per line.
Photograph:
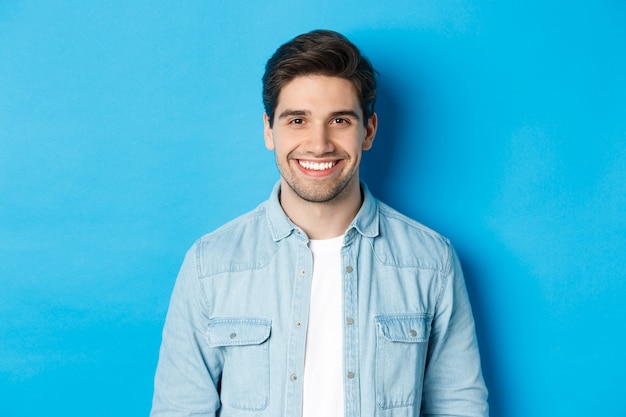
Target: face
318, 136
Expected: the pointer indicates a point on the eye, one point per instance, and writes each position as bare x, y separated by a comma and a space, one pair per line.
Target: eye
296, 121
340, 121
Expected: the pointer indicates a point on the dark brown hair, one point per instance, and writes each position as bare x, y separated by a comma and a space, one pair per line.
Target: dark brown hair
321, 52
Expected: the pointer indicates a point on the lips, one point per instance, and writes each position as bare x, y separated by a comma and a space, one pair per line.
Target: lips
317, 166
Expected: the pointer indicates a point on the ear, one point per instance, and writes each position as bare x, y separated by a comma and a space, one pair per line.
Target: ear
267, 133
370, 132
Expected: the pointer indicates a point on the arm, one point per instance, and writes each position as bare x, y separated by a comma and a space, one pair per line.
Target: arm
453, 382
188, 370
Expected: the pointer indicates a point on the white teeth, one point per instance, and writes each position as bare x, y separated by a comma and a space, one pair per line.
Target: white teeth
316, 166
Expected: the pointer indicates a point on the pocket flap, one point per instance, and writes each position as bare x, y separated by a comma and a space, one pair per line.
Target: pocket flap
413, 328
235, 331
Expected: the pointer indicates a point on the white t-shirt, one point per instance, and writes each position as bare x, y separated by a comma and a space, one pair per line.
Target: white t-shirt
323, 394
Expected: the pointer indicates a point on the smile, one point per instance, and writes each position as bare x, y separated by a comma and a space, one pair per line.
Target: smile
317, 166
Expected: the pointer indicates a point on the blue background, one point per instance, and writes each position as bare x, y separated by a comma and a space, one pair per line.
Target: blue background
130, 128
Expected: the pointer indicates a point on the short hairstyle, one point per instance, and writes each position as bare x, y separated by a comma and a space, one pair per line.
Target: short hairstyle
320, 52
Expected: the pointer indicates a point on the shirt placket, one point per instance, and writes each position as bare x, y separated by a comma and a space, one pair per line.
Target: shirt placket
299, 320
351, 329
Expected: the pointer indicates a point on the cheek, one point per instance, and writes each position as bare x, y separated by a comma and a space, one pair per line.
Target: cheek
280, 151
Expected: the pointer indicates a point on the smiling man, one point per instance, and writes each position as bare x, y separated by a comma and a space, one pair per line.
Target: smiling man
318, 134
323, 301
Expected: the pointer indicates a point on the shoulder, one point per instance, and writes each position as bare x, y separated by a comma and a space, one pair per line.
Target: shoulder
406, 242
243, 243
252, 219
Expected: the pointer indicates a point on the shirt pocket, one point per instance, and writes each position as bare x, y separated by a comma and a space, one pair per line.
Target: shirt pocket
401, 349
245, 382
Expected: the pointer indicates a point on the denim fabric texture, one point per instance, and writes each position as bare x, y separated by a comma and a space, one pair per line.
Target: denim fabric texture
235, 333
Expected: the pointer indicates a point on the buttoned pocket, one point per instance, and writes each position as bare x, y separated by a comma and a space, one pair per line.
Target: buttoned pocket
401, 348
245, 379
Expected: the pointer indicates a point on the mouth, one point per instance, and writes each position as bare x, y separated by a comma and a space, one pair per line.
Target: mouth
316, 166
318, 169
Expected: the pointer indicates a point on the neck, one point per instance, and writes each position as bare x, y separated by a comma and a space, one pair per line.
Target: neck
322, 220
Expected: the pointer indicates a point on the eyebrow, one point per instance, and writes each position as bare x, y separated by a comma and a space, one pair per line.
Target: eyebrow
346, 113
290, 112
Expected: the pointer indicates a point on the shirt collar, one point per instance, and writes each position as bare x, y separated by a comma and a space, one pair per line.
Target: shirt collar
365, 222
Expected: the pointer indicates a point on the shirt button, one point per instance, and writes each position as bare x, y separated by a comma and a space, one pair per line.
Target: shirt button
349, 268
233, 335
293, 377
413, 333
350, 375
350, 321
302, 272
298, 324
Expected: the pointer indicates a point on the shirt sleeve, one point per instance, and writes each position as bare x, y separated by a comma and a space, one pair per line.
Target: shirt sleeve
187, 373
453, 381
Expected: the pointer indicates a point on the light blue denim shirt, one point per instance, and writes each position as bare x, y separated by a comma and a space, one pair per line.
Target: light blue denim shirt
235, 333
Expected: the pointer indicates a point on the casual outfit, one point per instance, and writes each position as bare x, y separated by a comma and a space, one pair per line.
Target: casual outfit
235, 336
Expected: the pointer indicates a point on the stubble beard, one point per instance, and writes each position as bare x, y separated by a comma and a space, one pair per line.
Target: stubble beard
322, 191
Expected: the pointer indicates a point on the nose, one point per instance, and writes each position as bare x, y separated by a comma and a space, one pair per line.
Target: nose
320, 141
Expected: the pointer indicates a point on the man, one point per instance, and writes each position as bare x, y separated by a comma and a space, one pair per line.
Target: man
322, 301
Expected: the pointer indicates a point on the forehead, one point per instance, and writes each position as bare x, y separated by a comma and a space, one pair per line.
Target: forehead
318, 92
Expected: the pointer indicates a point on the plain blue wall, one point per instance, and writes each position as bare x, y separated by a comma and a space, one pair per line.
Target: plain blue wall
130, 128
